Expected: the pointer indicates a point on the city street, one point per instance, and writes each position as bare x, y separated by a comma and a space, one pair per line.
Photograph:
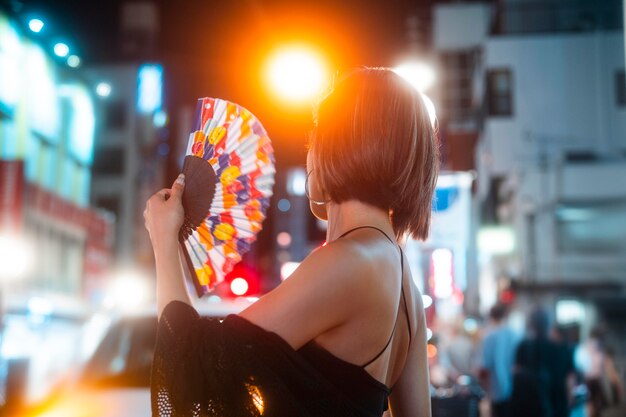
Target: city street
522, 275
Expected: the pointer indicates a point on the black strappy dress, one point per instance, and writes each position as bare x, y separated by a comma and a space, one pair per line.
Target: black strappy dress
350, 378
204, 367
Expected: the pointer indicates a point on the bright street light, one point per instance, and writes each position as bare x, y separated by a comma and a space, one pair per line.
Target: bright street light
420, 75
296, 74
35, 25
61, 49
103, 89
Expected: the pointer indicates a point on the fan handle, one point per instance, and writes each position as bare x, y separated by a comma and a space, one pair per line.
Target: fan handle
200, 181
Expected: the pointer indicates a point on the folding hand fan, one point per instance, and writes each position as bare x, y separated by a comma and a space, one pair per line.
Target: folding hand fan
229, 174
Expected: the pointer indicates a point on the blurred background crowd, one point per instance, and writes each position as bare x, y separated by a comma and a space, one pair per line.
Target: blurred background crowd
523, 275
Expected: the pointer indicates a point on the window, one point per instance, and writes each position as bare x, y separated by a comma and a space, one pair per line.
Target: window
108, 162
458, 69
500, 92
110, 204
115, 115
591, 227
580, 156
620, 88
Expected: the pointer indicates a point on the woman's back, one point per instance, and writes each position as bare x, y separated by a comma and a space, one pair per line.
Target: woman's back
381, 331
378, 338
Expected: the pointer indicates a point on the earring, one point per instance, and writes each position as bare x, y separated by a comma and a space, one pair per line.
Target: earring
308, 194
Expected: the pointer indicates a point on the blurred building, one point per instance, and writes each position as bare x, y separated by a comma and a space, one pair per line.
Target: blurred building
55, 248
47, 124
131, 144
535, 91
128, 155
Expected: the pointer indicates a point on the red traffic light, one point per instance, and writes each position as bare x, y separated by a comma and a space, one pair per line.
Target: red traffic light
243, 281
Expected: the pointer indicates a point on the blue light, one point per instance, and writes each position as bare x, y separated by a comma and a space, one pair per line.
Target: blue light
284, 205
73, 61
81, 123
163, 149
103, 89
160, 119
444, 198
35, 25
149, 88
61, 50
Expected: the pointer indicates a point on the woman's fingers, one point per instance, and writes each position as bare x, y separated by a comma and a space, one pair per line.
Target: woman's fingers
178, 187
158, 197
164, 194
163, 212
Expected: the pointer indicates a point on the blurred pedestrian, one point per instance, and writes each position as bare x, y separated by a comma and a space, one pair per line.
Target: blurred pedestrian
595, 360
498, 353
564, 365
457, 353
348, 324
541, 372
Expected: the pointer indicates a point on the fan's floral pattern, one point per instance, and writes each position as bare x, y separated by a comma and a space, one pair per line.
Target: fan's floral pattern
240, 152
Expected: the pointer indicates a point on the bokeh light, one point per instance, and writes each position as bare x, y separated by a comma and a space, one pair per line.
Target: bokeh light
283, 205
35, 25
61, 49
431, 351
296, 74
16, 256
103, 89
73, 61
239, 286
283, 239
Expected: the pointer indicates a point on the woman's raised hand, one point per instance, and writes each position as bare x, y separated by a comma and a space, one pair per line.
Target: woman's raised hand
164, 213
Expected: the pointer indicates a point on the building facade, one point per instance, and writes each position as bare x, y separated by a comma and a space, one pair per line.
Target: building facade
541, 86
129, 156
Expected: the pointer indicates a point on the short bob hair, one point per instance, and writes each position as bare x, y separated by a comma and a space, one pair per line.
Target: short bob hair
373, 141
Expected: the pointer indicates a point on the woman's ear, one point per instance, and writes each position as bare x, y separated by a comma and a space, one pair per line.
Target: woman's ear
319, 211
318, 200
313, 190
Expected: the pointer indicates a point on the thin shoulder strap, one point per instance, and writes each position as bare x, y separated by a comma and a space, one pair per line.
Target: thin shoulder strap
371, 227
401, 298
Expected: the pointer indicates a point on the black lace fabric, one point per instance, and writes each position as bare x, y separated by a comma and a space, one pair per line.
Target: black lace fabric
203, 367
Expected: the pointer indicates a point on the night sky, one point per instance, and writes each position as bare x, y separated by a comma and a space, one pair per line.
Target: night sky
217, 48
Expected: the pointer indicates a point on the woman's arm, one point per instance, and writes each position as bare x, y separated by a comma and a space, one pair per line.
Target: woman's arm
164, 216
411, 393
170, 284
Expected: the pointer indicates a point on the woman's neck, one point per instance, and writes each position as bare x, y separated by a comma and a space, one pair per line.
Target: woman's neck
350, 214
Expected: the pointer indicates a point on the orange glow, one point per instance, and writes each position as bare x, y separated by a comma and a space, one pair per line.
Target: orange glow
431, 351
297, 73
257, 398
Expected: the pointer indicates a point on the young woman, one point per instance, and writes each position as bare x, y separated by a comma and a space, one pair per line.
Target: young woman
345, 335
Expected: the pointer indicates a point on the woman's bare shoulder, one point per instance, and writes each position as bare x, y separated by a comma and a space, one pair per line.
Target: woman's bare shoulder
322, 293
